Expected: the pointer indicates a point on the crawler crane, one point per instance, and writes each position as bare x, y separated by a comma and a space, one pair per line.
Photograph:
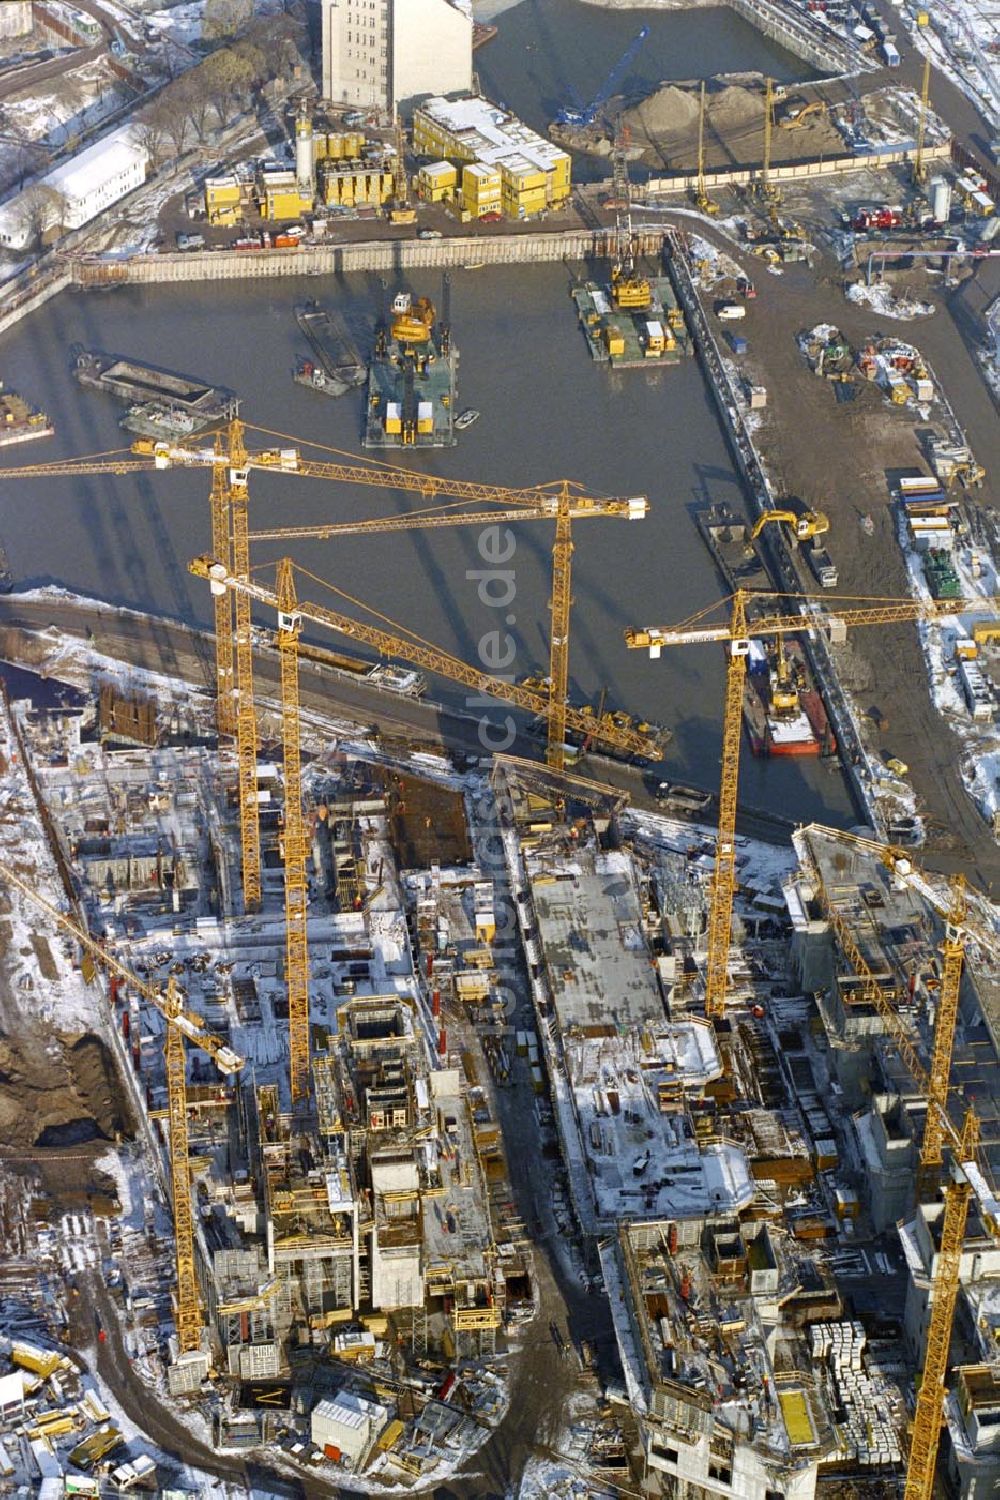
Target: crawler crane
736, 637
181, 1026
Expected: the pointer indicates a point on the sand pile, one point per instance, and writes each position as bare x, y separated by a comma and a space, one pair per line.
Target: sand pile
669, 111
734, 108
668, 119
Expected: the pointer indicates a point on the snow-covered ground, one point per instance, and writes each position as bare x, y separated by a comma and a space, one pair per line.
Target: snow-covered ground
882, 299
960, 40
182, 23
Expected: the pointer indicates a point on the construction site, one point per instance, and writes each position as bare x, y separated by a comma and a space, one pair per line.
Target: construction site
404, 1086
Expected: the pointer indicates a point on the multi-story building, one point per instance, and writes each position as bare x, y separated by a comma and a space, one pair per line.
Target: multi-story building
510, 168
378, 54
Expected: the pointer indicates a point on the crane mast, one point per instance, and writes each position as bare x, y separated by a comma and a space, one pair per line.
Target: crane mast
246, 717
222, 546
296, 848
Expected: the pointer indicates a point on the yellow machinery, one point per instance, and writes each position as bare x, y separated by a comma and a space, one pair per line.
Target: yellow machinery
796, 115
767, 190
784, 694
803, 525
412, 321
919, 169
630, 291
736, 636
295, 853
181, 1024
402, 212
706, 204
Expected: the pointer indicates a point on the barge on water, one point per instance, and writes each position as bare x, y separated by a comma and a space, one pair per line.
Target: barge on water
647, 337
337, 367
20, 423
783, 710
161, 403
412, 380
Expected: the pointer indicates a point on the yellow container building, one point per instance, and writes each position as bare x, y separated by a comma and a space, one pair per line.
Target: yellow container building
222, 200
482, 190
535, 175
437, 182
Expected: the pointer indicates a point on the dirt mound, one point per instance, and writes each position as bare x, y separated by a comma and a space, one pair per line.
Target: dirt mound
58, 1092
669, 111
734, 108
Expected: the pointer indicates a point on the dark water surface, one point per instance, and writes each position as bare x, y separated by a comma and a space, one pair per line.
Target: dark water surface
547, 412
551, 53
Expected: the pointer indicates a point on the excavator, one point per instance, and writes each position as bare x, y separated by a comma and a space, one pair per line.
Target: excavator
804, 524
784, 693
798, 114
412, 321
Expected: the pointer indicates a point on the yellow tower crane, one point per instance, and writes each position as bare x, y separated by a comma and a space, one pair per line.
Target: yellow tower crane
919, 169
736, 637
181, 1026
562, 501
939, 1132
225, 682
706, 204
296, 845
768, 191
402, 211
291, 613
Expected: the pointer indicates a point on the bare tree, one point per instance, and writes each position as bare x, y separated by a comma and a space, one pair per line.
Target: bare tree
151, 134
42, 211
174, 107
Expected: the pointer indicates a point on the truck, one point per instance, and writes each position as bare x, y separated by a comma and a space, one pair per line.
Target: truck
882, 217
824, 569
889, 54
730, 312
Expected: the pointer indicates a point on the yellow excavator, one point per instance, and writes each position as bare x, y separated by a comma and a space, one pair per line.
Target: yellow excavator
412, 321
784, 694
798, 114
803, 524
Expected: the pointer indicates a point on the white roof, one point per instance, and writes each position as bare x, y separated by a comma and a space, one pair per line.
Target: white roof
349, 1409
494, 135
90, 169
438, 168
11, 1388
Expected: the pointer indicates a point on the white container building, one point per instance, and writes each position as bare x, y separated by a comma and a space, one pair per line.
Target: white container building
76, 190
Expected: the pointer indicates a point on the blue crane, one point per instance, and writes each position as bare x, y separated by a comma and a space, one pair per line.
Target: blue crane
585, 115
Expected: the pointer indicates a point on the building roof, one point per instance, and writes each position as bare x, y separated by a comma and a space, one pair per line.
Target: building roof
590, 928
494, 135
349, 1409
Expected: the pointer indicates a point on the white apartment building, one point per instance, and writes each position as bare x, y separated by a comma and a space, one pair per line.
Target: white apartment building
378, 54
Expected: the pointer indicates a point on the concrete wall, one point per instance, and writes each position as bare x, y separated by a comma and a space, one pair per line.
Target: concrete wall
367, 255
431, 49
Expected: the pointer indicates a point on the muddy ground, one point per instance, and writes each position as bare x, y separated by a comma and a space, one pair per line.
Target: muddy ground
840, 458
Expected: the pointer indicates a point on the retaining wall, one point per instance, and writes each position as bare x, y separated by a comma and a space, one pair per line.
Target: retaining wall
775, 547
366, 255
